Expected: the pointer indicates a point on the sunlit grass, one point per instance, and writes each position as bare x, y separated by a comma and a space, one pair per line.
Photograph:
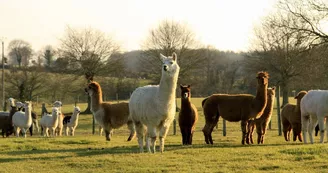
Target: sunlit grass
86, 152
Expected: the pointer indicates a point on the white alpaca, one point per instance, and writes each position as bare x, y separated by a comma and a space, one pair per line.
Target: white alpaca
314, 109
50, 122
59, 129
22, 120
72, 122
154, 106
19, 106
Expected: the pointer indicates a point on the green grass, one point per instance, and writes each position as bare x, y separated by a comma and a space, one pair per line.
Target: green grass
91, 153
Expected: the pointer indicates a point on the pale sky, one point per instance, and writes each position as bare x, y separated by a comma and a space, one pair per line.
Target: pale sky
224, 24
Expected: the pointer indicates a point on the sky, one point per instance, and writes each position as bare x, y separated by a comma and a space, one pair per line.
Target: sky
223, 24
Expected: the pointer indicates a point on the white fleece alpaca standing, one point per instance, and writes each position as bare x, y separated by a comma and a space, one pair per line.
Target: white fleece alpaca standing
154, 106
50, 122
59, 130
72, 122
22, 120
314, 109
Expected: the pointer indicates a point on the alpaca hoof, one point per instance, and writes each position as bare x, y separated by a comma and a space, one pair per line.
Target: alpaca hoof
107, 139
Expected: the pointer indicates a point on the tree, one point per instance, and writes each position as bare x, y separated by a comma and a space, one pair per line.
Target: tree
20, 51
280, 51
166, 38
307, 18
87, 51
48, 54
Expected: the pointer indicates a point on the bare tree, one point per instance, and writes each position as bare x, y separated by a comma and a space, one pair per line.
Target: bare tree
280, 51
87, 52
307, 19
169, 37
20, 51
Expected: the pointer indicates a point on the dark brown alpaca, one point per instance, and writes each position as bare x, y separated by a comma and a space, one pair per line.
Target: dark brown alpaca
188, 116
291, 118
262, 123
109, 116
234, 108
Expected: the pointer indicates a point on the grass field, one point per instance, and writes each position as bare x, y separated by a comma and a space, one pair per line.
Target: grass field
91, 153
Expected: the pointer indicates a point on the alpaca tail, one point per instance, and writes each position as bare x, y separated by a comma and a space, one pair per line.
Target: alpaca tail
203, 102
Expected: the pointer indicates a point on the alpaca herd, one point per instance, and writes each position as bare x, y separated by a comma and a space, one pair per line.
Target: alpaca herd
152, 108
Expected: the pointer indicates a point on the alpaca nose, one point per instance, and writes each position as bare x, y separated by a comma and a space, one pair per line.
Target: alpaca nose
85, 89
165, 67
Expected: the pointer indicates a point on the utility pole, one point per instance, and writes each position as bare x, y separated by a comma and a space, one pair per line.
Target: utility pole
3, 75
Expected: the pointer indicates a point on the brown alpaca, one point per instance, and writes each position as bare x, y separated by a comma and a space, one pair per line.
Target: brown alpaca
263, 122
291, 118
188, 116
109, 116
234, 108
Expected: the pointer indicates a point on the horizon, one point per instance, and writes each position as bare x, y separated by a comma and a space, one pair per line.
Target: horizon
220, 24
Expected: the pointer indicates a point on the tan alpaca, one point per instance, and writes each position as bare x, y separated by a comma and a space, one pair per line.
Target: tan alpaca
109, 116
291, 118
235, 107
262, 123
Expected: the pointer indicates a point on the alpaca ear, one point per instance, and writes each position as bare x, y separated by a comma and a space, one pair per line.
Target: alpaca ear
162, 57
188, 86
181, 86
174, 56
273, 88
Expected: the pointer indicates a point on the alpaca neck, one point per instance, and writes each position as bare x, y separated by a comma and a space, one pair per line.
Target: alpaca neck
269, 106
261, 96
185, 103
167, 87
28, 115
74, 118
298, 105
96, 100
55, 120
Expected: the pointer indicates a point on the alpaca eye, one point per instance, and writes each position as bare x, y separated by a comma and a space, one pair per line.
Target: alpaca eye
171, 62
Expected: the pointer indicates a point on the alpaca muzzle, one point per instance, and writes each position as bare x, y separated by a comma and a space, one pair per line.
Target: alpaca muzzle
165, 67
86, 90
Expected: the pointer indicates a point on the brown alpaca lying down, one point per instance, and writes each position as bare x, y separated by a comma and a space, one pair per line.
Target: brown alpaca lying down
261, 124
291, 118
109, 116
237, 107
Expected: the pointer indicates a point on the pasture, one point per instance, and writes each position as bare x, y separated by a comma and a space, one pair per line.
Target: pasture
92, 153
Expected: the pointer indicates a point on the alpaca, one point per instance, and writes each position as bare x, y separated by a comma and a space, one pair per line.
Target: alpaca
188, 116
34, 118
6, 121
109, 116
236, 107
22, 120
313, 112
71, 122
50, 122
59, 129
154, 106
262, 123
291, 118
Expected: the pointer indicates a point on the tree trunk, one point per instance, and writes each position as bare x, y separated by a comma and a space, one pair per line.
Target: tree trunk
284, 94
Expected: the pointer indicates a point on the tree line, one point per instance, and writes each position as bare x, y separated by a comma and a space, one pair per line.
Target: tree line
290, 43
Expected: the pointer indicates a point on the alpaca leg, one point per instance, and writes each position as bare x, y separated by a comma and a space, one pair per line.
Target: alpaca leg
60, 131
31, 129
36, 125
208, 129
107, 133
259, 133
140, 135
191, 135
151, 133
313, 123
132, 130
162, 135
243, 125
250, 127
72, 131
286, 126
100, 131
321, 123
305, 126
263, 129
24, 132
326, 128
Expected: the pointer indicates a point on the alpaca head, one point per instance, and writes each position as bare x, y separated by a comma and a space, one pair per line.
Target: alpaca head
27, 106
93, 88
271, 92
57, 104
170, 66
262, 78
77, 110
185, 92
55, 111
11, 102
300, 95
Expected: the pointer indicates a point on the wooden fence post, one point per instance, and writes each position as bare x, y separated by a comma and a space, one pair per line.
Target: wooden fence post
43, 110
174, 126
224, 130
278, 111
